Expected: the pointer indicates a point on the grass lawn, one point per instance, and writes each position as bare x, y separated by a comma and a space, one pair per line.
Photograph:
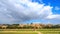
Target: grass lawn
17, 32
50, 31
29, 31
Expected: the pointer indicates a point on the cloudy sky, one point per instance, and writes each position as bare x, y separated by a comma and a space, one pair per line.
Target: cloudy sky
27, 11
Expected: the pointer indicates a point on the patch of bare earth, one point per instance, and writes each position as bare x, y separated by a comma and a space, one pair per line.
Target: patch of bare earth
38, 32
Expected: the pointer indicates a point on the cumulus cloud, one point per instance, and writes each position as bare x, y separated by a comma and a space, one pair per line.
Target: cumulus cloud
57, 8
16, 11
53, 17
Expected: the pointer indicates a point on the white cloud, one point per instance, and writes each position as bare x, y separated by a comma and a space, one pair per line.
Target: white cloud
57, 8
53, 17
24, 10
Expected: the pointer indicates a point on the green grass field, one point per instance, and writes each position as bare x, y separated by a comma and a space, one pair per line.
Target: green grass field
50, 31
29, 31
17, 32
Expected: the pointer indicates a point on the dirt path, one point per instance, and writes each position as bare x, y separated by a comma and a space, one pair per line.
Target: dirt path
38, 32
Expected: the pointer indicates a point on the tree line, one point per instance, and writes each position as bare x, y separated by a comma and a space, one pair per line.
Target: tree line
28, 26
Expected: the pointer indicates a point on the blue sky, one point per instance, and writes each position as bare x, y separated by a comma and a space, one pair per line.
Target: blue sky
27, 11
54, 3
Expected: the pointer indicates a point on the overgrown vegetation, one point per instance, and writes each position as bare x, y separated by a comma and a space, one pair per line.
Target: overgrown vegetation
29, 26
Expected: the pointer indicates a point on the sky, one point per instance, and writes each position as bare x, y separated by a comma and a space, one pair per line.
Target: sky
29, 11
